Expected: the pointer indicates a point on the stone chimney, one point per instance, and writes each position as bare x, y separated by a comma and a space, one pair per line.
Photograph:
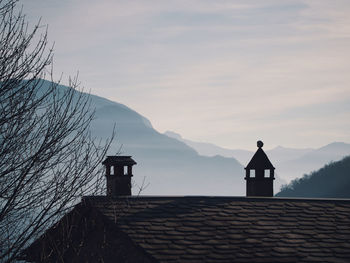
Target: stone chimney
118, 175
260, 174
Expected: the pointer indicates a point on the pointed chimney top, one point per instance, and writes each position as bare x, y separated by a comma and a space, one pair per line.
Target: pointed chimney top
260, 159
260, 183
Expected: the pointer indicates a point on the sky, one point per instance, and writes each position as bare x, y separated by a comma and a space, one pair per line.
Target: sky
225, 72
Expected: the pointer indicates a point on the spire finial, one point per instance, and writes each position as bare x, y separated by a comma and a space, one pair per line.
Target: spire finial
260, 144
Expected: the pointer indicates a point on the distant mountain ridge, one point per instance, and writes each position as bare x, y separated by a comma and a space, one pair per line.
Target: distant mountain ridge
289, 163
174, 168
169, 166
210, 149
314, 160
331, 181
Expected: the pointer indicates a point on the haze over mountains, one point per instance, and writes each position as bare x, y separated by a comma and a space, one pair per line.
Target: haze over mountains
169, 166
289, 163
172, 166
209, 149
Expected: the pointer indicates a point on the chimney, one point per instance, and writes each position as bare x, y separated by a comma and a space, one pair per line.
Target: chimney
118, 175
260, 181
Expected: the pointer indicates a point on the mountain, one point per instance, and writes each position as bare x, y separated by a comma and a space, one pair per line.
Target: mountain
278, 154
282, 154
168, 166
331, 181
313, 160
290, 163
209, 149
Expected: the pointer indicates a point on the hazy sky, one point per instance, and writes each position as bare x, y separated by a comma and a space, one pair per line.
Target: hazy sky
226, 72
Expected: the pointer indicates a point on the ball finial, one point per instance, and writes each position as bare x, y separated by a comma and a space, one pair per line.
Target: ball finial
260, 144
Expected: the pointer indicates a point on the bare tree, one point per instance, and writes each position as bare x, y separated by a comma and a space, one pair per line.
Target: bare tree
48, 158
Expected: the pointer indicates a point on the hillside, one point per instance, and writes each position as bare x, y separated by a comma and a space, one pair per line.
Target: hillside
290, 163
210, 149
169, 166
331, 181
312, 160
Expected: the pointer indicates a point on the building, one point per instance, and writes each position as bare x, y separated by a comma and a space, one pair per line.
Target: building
256, 228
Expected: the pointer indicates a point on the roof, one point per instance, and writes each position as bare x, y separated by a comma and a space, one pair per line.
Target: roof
226, 229
260, 161
119, 160
231, 229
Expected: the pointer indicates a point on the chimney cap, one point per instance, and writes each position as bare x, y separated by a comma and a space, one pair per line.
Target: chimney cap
118, 160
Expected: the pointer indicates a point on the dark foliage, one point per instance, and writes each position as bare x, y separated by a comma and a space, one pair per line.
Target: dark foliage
331, 181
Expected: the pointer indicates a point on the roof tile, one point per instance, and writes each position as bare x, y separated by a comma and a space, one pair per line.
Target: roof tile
228, 229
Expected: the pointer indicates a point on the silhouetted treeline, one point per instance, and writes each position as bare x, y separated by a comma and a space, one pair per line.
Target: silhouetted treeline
331, 181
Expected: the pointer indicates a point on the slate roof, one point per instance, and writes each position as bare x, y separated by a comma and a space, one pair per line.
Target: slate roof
232, 229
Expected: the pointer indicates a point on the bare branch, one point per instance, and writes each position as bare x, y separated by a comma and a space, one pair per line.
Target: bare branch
48, 157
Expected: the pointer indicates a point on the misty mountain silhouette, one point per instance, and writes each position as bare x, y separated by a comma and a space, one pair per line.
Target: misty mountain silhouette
210, 149
169, 166
290, 163
331, 181
313, 160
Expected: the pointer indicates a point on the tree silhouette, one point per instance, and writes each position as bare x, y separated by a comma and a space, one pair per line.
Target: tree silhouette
331, 181
48, 158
